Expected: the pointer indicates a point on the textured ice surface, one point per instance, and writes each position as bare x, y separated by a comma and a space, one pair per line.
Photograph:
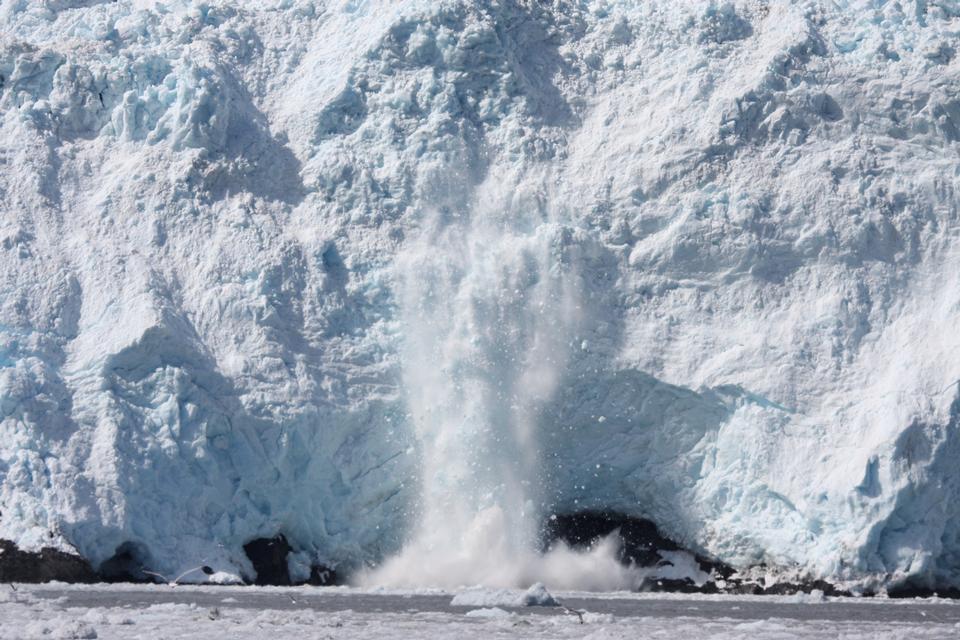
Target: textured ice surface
536, 596
206, 613
703, 255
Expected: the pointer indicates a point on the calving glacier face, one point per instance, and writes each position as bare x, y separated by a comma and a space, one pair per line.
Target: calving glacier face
338, 269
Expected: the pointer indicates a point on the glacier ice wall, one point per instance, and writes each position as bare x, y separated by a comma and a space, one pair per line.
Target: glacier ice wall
210, 209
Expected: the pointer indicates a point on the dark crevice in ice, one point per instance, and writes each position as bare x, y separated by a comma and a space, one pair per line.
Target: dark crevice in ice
321, 576
127, 564
908, 590
46, 565
269, 559
641, 540
642, 544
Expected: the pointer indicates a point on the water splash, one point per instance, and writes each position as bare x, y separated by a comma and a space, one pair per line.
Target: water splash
490, 304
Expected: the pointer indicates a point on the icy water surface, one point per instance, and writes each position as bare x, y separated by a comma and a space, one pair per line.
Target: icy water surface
60, 611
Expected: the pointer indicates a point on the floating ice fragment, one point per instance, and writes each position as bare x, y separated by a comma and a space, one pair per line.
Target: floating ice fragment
492, 612
538, 596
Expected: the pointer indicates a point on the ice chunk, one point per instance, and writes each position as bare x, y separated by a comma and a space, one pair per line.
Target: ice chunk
536, 596
492, 612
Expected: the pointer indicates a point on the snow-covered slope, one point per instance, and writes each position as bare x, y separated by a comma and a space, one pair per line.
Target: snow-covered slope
290, 266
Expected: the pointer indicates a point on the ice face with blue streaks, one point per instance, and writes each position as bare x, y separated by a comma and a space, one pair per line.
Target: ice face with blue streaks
375, 275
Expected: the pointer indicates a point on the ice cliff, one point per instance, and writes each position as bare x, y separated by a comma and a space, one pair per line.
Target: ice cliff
276, 267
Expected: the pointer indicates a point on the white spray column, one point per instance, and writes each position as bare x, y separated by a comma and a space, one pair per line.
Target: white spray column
490, 305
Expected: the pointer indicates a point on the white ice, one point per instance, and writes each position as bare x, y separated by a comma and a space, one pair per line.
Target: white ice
359, 272
27, 616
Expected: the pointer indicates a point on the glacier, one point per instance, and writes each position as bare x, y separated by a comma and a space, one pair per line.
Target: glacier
365, 273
